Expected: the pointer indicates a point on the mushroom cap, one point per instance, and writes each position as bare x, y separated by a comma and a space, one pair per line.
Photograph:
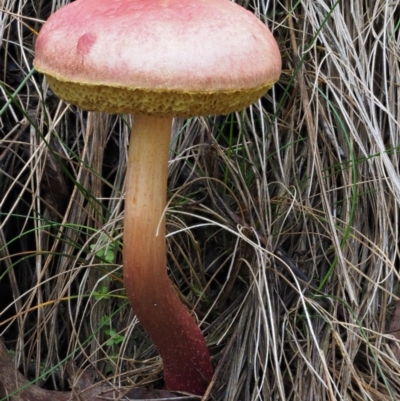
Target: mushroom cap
157, 57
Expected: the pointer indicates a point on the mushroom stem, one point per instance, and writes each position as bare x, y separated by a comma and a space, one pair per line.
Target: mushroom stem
187, 365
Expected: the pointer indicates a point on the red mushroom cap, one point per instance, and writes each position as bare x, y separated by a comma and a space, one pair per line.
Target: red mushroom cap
165, 57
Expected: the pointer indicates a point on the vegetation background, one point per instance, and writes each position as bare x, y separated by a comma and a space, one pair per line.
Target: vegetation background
283, 221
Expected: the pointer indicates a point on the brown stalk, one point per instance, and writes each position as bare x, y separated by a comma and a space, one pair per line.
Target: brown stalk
174, 332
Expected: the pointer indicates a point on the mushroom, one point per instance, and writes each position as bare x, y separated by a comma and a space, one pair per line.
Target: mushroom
157, 59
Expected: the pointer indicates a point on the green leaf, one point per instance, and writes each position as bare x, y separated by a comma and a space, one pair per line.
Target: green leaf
101, 294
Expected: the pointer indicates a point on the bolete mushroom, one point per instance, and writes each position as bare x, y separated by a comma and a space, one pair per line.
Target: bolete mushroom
157, 59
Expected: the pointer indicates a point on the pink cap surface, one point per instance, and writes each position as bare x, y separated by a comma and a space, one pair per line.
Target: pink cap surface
159, 45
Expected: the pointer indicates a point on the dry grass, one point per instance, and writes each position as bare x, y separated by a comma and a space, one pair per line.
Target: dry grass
283, 220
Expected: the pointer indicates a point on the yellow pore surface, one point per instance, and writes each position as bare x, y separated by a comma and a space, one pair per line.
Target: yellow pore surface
113, 99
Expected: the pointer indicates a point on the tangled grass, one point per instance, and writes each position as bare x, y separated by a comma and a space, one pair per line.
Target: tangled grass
283, 221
